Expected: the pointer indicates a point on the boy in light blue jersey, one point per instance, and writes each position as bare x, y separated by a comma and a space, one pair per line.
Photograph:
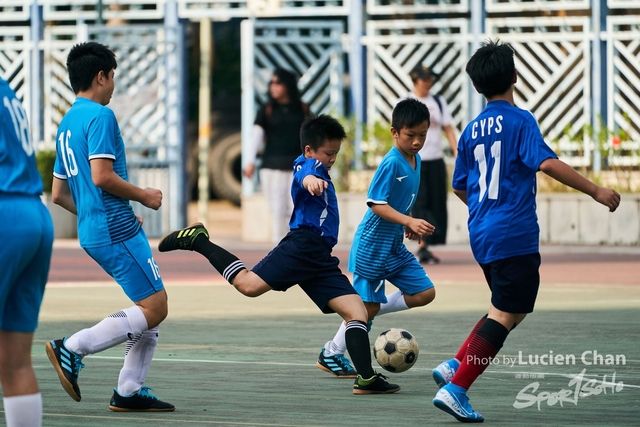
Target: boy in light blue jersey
499, 154
378, 252
303, 256
25, 255
90, 180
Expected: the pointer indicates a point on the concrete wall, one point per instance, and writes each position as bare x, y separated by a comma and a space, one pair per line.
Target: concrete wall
563, 218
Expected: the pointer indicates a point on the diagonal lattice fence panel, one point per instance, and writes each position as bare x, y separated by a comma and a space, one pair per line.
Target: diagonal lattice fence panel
553, 60
623, 107
145, 101
15, 63
395, 47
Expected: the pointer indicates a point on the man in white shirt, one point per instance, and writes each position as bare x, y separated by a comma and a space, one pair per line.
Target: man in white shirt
431, 202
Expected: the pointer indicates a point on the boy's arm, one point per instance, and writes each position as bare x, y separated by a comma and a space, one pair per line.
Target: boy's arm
462, 195
104, 177
61, 195
562, 172
314, 185
418, 226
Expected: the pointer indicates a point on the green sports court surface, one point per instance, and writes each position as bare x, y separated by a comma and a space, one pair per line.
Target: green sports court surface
227, 360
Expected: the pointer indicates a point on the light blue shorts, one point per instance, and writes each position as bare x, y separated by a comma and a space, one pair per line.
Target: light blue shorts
25, 256
411, 279
132, 266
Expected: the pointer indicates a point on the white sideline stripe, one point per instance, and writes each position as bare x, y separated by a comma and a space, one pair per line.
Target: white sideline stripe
104, 284
172, 421
554, 374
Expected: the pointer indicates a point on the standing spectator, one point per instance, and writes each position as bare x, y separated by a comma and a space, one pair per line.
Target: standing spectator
27, 234
431, 202
277, 126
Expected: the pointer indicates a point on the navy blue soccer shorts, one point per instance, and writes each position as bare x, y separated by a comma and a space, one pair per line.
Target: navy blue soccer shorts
514, 282
303, 257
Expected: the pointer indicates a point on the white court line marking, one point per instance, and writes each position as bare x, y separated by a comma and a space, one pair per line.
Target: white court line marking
240, 362
170, 421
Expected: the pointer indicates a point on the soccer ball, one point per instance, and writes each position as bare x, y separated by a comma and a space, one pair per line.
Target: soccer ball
396, 350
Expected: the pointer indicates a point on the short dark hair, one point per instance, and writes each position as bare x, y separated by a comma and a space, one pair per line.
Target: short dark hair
85, 61
316, 130
408, 113
491, 68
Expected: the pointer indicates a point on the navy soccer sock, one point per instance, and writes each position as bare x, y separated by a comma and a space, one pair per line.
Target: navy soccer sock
358, 345
227, 264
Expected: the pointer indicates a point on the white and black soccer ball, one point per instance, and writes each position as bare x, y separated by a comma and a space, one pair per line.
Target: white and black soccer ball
396, 350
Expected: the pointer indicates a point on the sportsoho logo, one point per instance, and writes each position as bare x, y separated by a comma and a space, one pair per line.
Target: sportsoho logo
578, 387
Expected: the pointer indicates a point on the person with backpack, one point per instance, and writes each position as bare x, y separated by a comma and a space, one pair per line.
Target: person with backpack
277, 129
431, 201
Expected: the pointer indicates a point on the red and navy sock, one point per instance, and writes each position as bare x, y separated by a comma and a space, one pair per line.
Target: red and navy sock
483, 347
227, 264
463, 349
357, 339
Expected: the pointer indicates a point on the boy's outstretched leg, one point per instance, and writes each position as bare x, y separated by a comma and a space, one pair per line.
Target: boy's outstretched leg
196, 238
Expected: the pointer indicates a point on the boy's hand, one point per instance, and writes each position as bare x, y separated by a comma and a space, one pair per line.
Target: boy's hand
411, 235
153, 198
608, 197
314, 185
420, 227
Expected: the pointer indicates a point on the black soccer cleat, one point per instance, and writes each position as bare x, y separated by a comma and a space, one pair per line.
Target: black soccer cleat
182, 239
377, 384
67, 365
140, 401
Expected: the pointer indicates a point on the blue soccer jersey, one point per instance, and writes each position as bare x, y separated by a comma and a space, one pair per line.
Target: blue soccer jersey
378, 246
316, 213
17, 156
499, 154
90, 131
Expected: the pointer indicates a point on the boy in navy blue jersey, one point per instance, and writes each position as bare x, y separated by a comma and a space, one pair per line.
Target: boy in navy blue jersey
25, 255
499, 154
303, 256
378, 252
90, 180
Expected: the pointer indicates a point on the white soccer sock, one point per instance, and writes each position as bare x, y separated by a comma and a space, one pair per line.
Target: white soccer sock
137, 359
111, 331
338, 345
395, 302
23, 411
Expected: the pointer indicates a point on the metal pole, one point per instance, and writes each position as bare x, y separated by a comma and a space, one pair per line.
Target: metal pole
356, 61
596, 96
477, 28
100, 20
35, 76
204, 118
248, 94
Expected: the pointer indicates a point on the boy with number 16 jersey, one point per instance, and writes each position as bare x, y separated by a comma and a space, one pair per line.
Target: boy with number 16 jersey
90, 180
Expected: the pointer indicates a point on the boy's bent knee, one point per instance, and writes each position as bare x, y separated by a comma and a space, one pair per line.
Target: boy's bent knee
421, 299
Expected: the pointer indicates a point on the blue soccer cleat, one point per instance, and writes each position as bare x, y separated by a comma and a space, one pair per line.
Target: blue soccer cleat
67, 365
453, 400
444, 372
337, 365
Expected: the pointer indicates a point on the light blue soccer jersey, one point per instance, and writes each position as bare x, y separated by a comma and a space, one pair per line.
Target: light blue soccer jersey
316, 213
90, 131
378, 246
17, 155
499, 154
